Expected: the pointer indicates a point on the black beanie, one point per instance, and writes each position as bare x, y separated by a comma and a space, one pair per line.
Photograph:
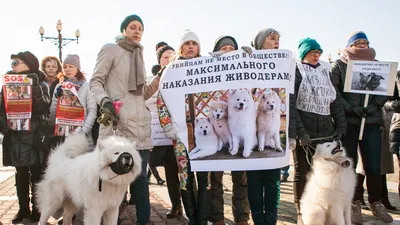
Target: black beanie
28, 58
162, 50
160, 44
129, 19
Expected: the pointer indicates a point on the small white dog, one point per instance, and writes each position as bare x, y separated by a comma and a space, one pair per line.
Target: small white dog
95, 181
269, 122
219, 120
330, 188
206, 139
242, 121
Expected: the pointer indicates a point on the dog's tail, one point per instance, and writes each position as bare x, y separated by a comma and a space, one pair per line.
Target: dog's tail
73, 146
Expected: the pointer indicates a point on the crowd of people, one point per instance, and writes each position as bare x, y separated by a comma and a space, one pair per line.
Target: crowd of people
119, 76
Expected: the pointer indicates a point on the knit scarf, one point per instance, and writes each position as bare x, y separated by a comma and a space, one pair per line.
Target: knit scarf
137, 72
367, 54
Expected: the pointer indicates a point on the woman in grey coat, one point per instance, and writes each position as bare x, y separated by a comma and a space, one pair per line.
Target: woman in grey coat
72, 74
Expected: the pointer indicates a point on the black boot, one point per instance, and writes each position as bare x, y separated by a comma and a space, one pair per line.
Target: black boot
149, 174
22, 183
175, 196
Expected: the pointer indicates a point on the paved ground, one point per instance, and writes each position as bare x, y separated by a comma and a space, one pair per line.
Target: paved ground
160, 202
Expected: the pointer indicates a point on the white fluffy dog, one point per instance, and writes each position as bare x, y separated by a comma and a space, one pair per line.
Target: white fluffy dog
269, 121
330, 187
219, 120
242, 121
95, 181
206, 139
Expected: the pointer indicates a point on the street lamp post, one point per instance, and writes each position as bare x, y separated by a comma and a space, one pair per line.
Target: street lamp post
60, 41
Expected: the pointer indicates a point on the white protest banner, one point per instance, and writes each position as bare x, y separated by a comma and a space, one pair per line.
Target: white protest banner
370, 77
17, 91
157, 133
224, 108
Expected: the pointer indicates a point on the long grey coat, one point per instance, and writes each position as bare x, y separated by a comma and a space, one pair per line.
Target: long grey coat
110, 80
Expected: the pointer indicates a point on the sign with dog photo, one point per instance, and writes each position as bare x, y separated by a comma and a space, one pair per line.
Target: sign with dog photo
231, 112
70, 113
370, 77
17, 92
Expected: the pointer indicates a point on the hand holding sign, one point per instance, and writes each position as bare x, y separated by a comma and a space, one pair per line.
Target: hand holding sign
34, 77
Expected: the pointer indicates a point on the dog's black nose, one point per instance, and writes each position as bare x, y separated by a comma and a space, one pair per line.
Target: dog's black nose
241, 104
272, 106
204, 132
218, 115
127, 156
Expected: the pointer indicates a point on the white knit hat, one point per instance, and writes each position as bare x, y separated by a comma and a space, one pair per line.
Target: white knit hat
189, 35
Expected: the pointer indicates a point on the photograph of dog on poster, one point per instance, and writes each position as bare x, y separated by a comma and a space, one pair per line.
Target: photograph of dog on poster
237, 123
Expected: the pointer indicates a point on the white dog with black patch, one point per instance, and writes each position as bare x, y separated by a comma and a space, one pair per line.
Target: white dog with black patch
330, 187
242, 121
269, 122
206, 139
95, 181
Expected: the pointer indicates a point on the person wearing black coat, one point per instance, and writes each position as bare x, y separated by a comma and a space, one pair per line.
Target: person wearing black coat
320, 114
18, 148
370, 146
394, 134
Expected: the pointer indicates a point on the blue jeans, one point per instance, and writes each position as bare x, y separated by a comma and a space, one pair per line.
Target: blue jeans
140, 192
263, 187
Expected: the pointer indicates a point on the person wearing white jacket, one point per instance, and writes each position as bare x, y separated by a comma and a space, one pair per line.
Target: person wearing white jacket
72, 73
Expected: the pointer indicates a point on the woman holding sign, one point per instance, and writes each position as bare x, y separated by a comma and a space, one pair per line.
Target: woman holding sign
18, 148
73, 79
357, 48
319, 115
197, 212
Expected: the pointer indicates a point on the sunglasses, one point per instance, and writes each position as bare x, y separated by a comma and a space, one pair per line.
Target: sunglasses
16, 62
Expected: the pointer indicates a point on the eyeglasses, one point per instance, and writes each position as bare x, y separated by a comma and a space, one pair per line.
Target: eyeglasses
361, 43
315, 53
16, 62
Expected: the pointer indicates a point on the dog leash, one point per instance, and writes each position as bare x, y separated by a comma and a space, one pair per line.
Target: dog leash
307, 149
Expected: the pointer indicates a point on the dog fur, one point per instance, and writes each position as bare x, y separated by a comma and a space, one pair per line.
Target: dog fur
219, 120
242, 121
206, 139
269, 122
72, 178
330, 188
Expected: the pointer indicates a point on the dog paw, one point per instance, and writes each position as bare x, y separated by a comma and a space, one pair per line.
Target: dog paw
270, 146
234, 151
260, 148
246, 154
279, 149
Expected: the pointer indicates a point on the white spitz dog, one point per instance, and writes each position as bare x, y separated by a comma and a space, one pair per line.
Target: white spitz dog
206, 139
330, 187
242, 121
95, 181
219, 120
269, 121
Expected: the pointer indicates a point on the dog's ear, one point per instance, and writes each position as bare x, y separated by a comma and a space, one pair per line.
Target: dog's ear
100, 145
362, 75
134, 144
208, 119
234, 91
212, 105
197, 120
380, 77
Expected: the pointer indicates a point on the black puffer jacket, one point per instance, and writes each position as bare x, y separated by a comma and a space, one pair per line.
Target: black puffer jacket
394, 130
317, 125
18, 149
349, 100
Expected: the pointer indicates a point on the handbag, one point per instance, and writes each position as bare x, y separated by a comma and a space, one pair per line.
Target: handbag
44, 135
